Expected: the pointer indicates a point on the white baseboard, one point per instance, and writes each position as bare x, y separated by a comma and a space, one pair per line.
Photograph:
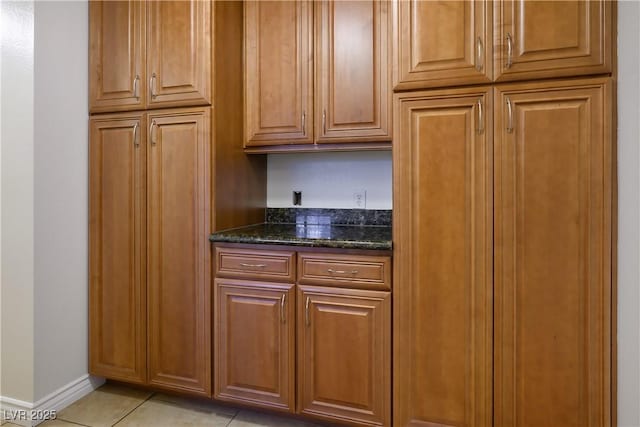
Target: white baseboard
29, 414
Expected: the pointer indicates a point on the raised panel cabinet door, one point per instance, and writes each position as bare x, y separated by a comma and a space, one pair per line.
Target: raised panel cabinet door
254, 347
179, 251
344, 355
442, 43
179, 53
278, 72
117, 56
353, 71
539, 39
553, 178
117, 229
442, 275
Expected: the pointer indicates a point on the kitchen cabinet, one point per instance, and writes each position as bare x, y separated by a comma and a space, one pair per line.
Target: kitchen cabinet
255, 343
117, 248
353, 67
149, 54
552, 38
278, 72
553, 205
348, 101
344, 337
443, 258
178, 272
442, 43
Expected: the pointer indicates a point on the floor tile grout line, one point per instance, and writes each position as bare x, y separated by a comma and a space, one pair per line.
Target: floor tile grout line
233, 418
137, 406
72, 422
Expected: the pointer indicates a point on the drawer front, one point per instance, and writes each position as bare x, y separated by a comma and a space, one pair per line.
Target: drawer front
255, 264
359, 271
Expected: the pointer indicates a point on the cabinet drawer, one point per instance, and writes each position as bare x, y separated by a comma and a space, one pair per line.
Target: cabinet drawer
359, 271
257, 264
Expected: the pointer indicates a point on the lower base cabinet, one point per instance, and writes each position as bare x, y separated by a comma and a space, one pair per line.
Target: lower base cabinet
321, 351
343, 354
255, 343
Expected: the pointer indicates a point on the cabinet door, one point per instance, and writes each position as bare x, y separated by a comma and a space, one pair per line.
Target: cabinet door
442, 258
117, 276
178, 251
553, 254
117, 56
179, 53
255, 343
537, 39
344, 355
441, 43
278, 72
353, 71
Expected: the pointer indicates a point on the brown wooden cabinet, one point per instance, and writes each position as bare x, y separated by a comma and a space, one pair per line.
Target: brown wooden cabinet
344, 337
149, 54
353, 67
278, 72
443, 258
442, 43
538, 39
179, 268
117, 248
117, 55
254, 347
553, 203
351, 88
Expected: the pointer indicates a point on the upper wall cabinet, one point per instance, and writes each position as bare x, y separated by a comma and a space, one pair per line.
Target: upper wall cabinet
352, 71
349, 99
538, 39
278, 72
441, 43
149, 54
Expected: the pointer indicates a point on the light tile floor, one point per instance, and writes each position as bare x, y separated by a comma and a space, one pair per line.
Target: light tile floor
121, 406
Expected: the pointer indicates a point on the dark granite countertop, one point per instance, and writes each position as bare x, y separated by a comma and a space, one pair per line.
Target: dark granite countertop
312, 235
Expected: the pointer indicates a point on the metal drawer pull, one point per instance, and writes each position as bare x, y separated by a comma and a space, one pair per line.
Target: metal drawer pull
479, 54
307, 320
304, 123
332, 271
480, 127
135, 87
152, 132
253, 265
282, 316
152, 85
509, 116
136, 140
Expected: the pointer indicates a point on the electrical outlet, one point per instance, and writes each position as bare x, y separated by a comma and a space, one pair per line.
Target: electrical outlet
360, 199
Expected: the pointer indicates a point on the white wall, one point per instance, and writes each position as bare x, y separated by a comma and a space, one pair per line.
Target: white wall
61, 198
328, 180
16, 129
628, 214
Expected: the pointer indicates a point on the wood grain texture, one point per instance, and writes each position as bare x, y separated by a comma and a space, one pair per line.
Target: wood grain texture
179, 262
178, 53
117, 54
353, 71
553, 254
441, 43
353, 271
576, 40
117, 248
344, 342
262, 264
239, 182
278, 72
442, 258
254, 348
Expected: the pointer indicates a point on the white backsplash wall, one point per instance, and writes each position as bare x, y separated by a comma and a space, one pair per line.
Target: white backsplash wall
329, 180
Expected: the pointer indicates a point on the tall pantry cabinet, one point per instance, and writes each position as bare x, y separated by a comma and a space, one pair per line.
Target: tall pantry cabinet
161, 180
502, 214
